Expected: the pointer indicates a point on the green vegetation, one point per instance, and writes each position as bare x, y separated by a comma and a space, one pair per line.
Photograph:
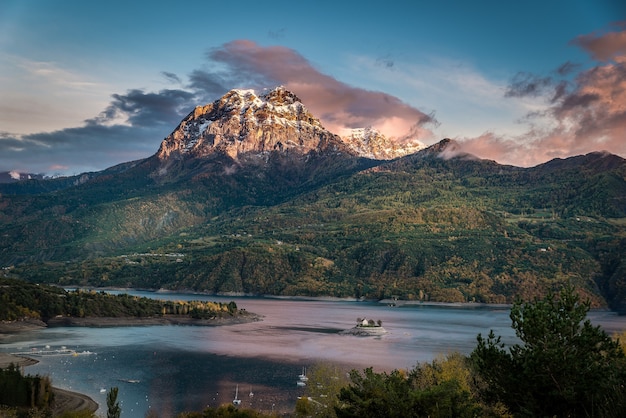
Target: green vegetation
322, 391
417, 228
226, 411
22, 300
24, 392
113, 407
564, 366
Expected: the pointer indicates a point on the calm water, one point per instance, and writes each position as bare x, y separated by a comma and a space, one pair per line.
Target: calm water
176, 368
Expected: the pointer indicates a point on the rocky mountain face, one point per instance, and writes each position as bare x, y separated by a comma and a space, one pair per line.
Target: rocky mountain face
242, 123
369, 143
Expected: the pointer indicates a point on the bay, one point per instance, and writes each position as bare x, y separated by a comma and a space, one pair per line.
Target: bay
170, 369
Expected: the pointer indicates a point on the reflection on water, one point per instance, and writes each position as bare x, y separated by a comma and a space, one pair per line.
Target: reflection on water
177, 368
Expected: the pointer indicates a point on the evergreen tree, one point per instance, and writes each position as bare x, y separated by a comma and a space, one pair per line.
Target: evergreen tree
113, 407
564, 366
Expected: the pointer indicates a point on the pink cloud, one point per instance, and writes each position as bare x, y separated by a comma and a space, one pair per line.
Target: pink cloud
58, 167
590, 115
338, 105
603, 47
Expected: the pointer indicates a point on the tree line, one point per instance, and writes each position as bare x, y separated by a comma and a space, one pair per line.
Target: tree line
21, 300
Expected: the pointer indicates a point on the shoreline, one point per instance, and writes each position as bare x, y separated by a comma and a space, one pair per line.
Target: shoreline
10, 328
131, 321
64, 400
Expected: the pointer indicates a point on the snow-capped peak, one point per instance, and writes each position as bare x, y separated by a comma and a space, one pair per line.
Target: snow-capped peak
243, 122
370, 143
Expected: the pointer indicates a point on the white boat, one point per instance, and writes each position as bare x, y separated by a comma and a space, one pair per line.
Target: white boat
237, 401
303, 377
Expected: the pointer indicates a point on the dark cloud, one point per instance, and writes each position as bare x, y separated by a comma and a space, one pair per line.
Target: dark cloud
171, 77
560, 90
131, 127
567, 68
209, 84
526, 84
146, 109
72, 151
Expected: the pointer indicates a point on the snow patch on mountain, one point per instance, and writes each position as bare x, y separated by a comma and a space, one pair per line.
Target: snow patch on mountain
370, 143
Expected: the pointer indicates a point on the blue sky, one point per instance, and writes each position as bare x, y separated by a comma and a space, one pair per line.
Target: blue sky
86, 85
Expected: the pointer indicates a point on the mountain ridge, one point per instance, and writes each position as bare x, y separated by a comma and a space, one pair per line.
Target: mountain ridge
316, 218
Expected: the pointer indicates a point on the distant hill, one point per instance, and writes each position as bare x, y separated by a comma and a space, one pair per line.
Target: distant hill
252, 195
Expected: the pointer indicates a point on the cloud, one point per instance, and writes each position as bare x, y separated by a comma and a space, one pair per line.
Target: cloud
132, 124
603, 47
583, 115
131, 127
171, 77
569, 111
140, 109
526, 84
338, 105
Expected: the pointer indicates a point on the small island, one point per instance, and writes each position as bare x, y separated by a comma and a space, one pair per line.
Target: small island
366, 327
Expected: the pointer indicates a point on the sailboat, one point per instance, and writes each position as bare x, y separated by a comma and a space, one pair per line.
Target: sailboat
237, 401
302, 379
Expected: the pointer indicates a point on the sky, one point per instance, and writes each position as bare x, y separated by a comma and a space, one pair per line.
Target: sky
88, 85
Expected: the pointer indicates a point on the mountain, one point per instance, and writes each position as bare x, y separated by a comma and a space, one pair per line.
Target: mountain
250, 194
242, 123
369, 143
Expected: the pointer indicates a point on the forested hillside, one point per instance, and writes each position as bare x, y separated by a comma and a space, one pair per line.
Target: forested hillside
420, 228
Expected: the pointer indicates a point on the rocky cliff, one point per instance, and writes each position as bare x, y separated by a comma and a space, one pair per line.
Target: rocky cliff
242, 123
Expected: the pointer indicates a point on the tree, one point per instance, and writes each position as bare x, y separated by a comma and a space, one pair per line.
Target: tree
375, 395
322, 390
113, 407
442, 388
564, 365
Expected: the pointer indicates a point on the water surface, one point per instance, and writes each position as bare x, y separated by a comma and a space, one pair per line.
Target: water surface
177, 368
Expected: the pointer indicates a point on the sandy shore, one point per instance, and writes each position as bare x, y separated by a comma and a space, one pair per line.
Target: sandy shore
7, 359
8, 328
66, 401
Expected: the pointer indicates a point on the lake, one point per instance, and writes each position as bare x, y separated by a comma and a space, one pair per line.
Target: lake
183, 368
